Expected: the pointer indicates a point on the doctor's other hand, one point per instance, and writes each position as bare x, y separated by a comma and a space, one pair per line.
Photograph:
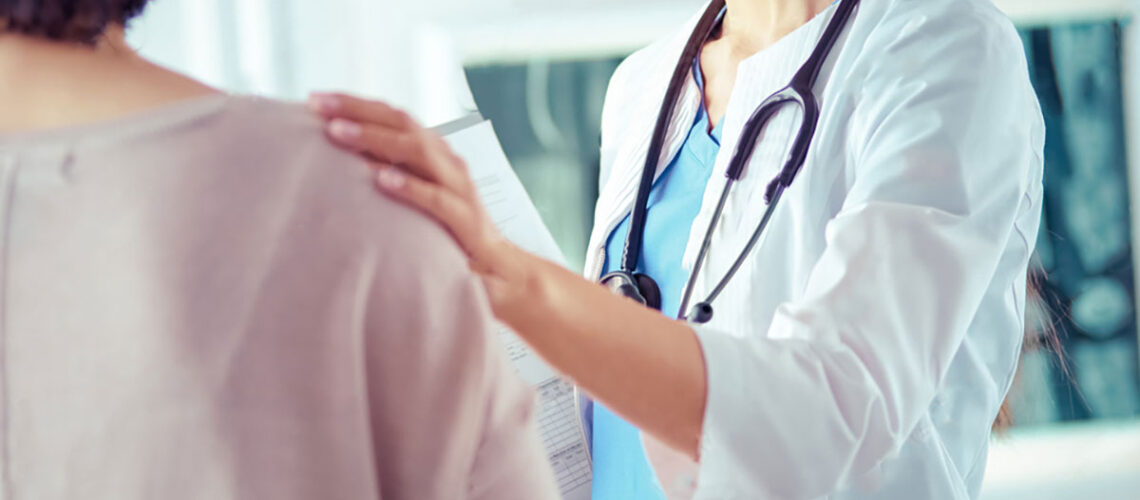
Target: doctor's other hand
416, 166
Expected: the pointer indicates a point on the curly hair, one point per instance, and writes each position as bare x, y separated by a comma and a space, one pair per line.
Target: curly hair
76, 21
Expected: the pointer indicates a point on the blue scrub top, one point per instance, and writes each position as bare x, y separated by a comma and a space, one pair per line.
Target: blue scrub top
621, 468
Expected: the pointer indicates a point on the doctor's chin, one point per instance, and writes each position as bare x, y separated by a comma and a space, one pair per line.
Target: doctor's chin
578, 249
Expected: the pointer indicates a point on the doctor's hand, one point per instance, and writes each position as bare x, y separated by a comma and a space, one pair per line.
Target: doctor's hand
416, 166
638, 362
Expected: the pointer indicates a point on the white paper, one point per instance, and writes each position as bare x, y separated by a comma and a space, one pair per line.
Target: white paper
507, 203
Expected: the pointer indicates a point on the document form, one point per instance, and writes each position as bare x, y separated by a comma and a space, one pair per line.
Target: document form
509, 206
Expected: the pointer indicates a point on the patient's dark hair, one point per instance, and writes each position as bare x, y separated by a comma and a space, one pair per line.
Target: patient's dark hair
76, 21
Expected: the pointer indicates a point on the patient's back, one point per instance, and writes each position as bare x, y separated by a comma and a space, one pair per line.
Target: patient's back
208, 301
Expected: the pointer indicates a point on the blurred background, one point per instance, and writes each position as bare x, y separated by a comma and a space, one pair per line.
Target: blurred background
539, 70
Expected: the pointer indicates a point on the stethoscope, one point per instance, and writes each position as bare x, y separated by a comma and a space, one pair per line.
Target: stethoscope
642, 288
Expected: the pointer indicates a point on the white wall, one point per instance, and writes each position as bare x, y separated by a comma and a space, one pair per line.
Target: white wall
410, 51
285, 48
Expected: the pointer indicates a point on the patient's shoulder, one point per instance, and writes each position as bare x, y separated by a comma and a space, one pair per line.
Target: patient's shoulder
332, 191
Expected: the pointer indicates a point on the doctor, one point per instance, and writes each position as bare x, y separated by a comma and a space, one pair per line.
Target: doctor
856, 285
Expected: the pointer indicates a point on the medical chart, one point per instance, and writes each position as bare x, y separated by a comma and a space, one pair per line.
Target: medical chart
509, 206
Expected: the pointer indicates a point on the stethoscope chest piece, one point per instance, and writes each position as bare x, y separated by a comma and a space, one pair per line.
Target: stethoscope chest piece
637, 287
701, 313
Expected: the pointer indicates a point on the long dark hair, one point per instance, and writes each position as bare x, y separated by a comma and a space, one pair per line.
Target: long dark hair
77, 21
1037, 336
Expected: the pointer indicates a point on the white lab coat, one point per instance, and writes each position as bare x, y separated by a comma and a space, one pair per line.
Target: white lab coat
865, 348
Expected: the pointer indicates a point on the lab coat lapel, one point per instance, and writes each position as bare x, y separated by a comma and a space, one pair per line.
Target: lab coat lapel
640, 98
621, 191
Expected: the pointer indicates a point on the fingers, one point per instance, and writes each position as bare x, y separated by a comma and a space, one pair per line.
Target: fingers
420, 152
428, 175
388, 146
335, 105
383, 133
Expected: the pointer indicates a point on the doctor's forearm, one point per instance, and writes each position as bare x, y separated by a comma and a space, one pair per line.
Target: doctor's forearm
647, 368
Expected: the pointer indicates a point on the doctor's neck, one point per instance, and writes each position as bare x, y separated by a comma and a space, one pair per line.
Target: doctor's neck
752, 25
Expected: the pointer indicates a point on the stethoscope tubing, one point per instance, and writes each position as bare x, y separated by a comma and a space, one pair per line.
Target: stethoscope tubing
680, 76
799, 91
752, 241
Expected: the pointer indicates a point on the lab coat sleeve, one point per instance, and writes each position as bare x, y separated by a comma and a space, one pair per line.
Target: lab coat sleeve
941, 148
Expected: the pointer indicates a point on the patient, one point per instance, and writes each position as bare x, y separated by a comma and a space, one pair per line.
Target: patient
196, 302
